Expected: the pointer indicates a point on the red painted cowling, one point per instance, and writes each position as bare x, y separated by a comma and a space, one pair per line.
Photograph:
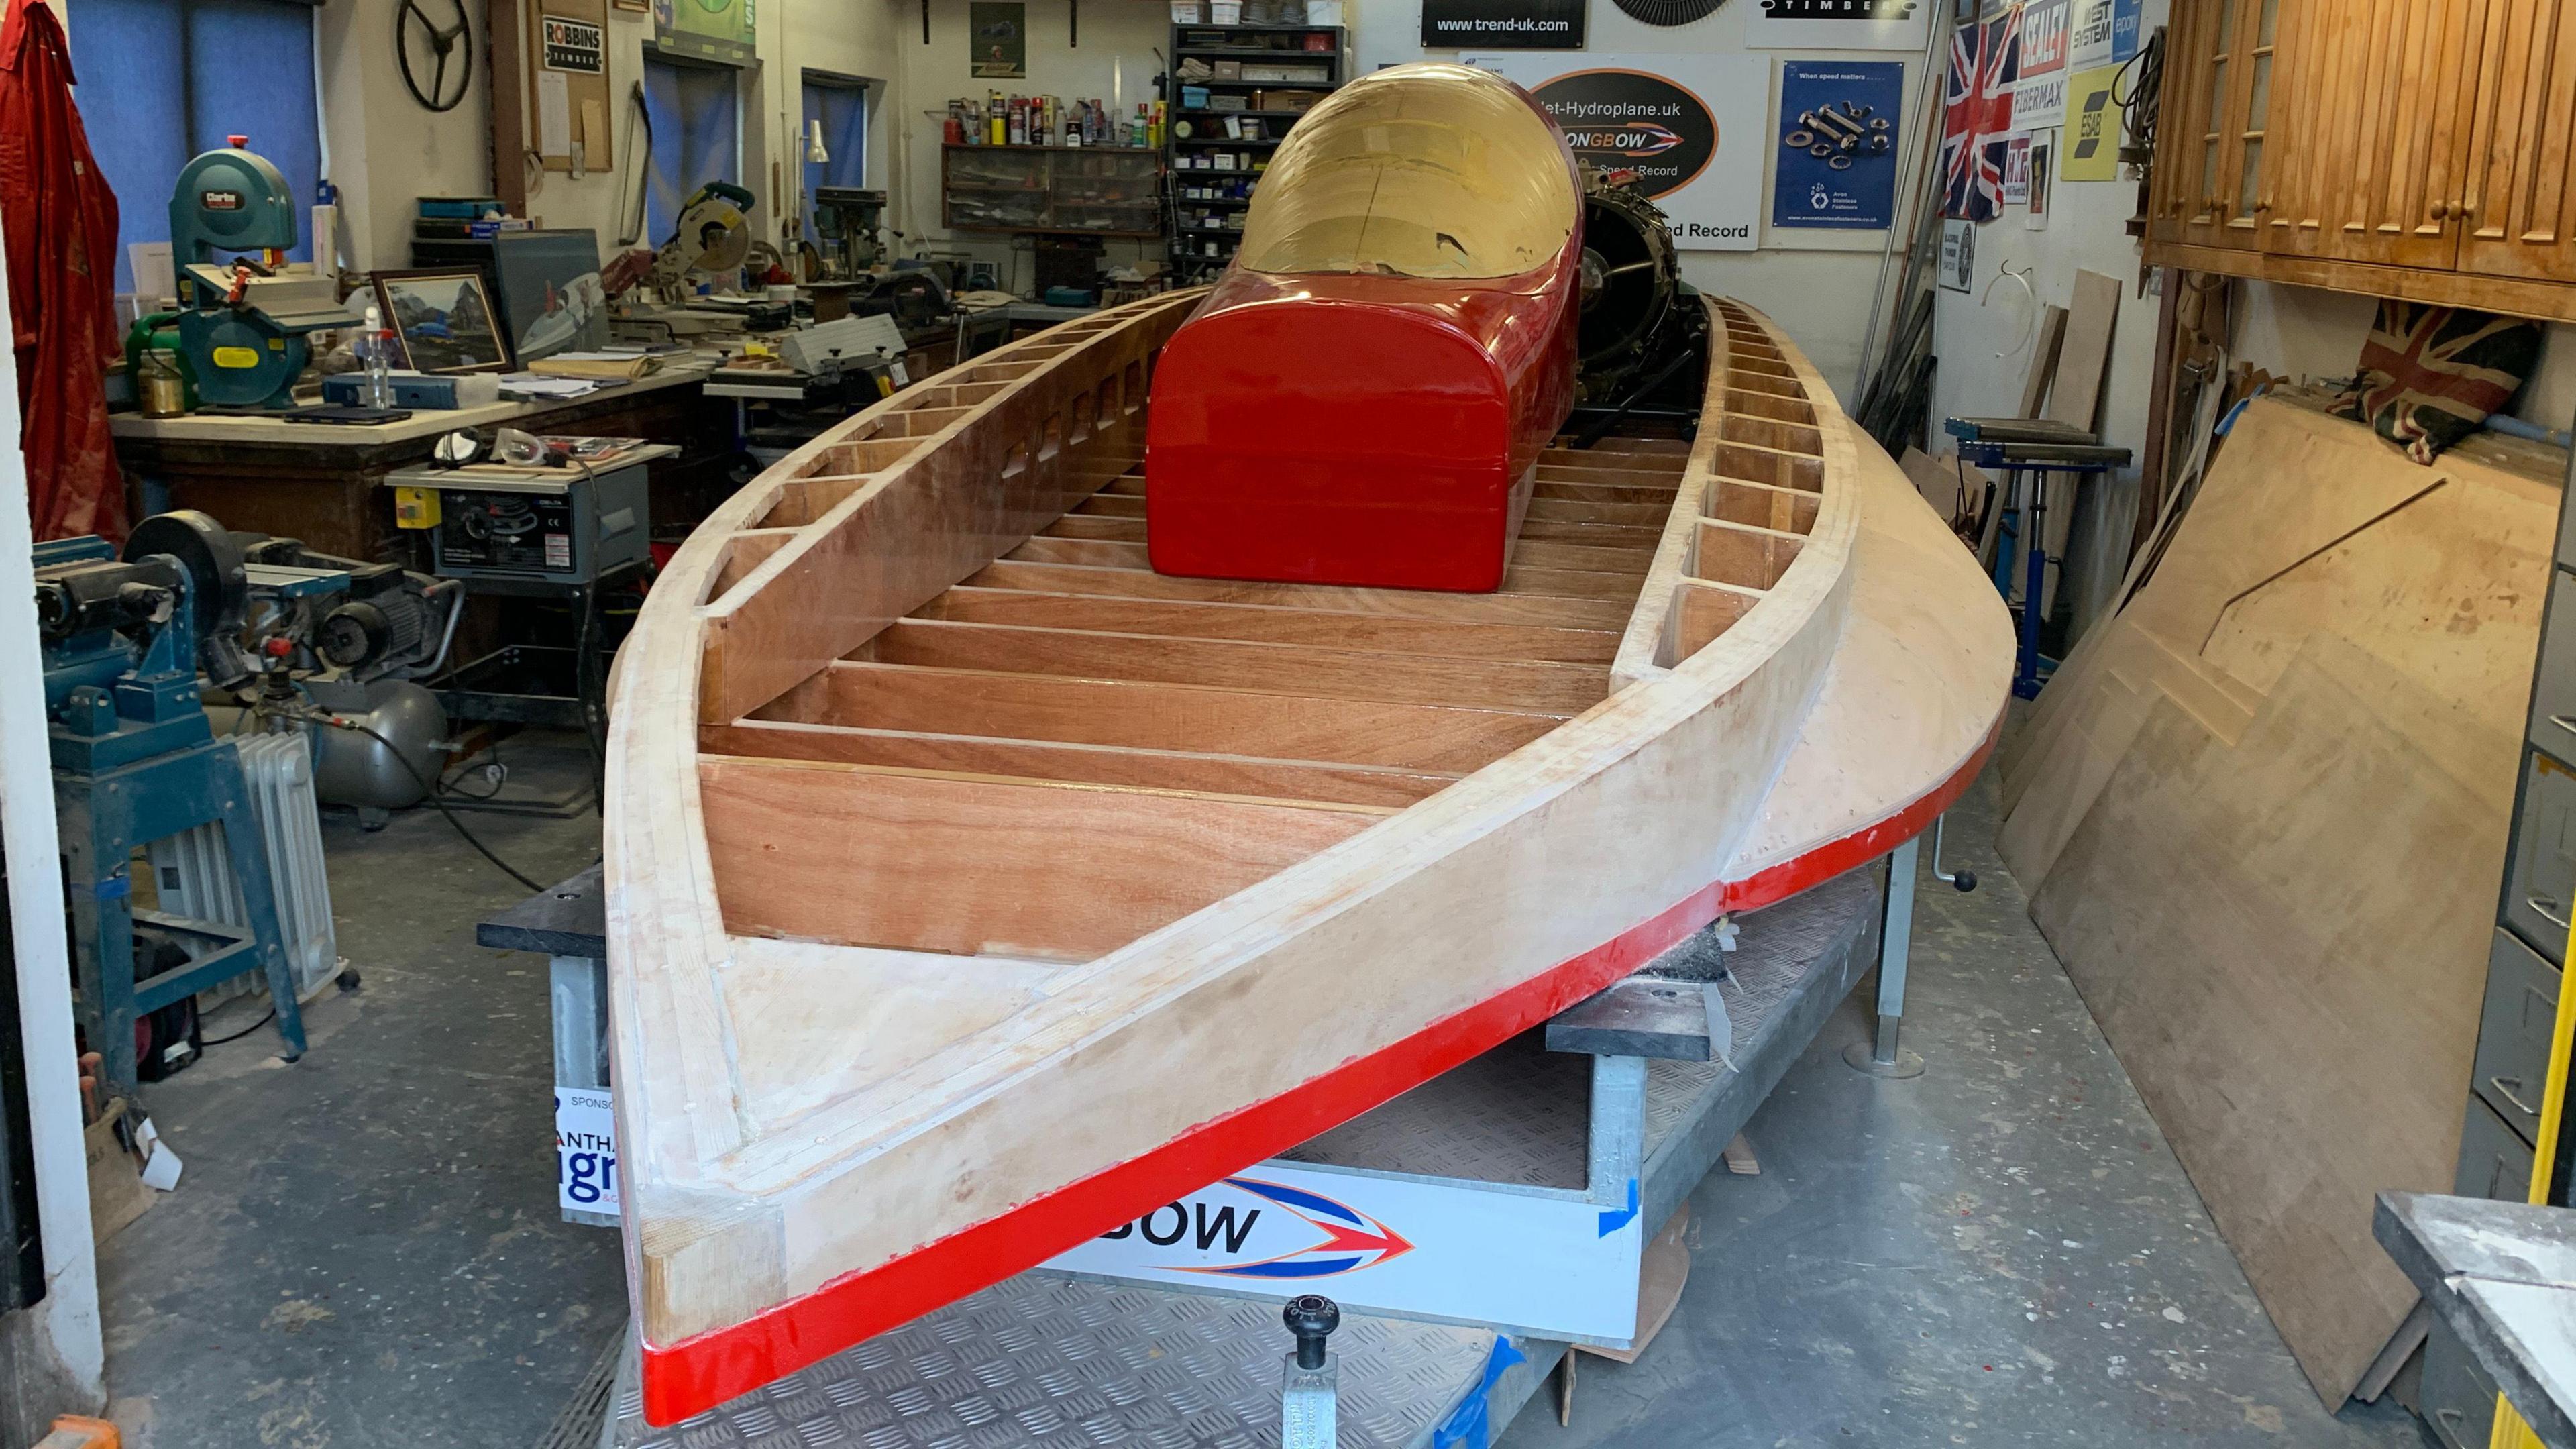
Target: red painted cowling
1363, 397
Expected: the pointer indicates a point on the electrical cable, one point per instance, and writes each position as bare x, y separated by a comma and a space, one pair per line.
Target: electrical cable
216, 1041
428, 789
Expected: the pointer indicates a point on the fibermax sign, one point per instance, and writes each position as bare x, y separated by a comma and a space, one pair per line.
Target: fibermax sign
1699, 158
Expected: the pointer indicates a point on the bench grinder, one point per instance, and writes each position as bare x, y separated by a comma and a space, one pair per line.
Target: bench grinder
242, 317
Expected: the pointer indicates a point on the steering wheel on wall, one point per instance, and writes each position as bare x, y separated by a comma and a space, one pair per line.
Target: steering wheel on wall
453, 43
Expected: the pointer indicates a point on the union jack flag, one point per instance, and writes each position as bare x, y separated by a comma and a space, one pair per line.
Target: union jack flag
1985, 60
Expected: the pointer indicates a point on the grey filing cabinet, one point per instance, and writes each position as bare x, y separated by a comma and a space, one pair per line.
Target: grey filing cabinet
2525, 960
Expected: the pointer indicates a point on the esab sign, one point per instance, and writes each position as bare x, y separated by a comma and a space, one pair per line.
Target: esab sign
1628, 119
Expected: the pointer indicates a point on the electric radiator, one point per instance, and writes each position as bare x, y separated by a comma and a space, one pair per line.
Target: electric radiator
195, 877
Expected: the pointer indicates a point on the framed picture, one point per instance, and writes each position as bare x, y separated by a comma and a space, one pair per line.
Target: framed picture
443, 320
2043, 151
997, 39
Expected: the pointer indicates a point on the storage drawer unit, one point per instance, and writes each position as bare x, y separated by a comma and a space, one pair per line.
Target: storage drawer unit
2494, 1163
2459, 1399
2513, 1033
2553, 692
2542, 877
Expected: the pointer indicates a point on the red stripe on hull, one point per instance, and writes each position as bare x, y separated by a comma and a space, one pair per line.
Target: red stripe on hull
698, 1373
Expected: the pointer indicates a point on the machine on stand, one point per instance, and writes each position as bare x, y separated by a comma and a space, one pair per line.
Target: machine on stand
847, 222
135, 761
2026, 451
554, 530
1642, 333
244, 310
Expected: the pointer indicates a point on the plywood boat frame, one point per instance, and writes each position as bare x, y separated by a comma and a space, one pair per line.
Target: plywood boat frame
1204, 895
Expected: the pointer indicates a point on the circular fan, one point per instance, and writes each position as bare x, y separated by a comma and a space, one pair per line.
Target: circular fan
1670, 12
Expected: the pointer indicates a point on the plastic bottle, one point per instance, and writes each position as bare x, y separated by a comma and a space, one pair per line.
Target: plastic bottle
375, 349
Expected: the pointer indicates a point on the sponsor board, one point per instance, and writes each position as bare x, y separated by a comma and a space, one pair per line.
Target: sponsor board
585, 1149
2039, 102
2092, 128
2101, 32
1692, 128
1853, 186
1506, 24
1547, 1265
1840, 24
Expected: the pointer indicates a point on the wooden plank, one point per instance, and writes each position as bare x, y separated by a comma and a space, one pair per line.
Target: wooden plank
2075, 397
1574, 510
1057, 760
1409, 603
1143, 715
1595, 535
949, 858
1521, 578
1273, 625
1655, 498
1234, 664
2044, 347
1597, 473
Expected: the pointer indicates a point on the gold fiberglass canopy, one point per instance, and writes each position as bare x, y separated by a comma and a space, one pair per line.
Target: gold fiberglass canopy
1426, 170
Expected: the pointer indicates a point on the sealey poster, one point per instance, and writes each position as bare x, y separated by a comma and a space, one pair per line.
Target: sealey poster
1691, 126
1839, 125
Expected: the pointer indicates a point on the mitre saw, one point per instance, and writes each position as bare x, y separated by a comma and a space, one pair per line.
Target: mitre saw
713, 237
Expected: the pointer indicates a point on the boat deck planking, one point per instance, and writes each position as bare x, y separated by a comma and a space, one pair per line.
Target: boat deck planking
926, 656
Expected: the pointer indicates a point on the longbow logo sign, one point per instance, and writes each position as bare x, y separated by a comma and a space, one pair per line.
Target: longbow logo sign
1553, 1263
1689, 126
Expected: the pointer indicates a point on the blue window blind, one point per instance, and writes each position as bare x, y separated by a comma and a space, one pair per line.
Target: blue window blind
841, 105
697, 137
162, 80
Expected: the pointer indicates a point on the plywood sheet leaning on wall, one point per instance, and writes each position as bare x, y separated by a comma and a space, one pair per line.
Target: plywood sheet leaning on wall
2261, 816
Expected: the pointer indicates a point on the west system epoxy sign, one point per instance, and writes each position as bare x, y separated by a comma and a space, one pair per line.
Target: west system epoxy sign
1691, 126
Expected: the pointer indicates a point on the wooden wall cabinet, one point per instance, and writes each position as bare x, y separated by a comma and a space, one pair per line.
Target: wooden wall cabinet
2406, 148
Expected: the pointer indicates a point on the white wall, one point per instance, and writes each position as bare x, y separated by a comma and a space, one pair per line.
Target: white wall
386, 150
2298, 332
1816, 284
1117, 37
381, 147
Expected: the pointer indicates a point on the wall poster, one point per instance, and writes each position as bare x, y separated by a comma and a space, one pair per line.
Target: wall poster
1691, 126
997, 40
2039, 93
1958, 264
2101, 32
2092, 128
1838, 130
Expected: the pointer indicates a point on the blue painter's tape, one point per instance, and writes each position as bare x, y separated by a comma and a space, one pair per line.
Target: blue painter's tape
1466, 1424
1617, 1218
106, 890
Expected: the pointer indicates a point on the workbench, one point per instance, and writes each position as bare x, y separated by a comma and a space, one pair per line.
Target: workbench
2502, 1275
321, 482
1622, 1102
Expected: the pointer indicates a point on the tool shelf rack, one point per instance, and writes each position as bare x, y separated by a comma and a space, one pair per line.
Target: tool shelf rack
1617, 1090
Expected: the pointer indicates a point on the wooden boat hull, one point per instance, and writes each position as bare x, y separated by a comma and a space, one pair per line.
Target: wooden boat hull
1152, 987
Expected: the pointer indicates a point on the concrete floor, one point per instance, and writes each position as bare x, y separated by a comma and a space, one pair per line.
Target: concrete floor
2000, 1251
364, 1249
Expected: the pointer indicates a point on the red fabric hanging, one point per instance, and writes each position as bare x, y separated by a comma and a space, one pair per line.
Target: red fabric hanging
59, 219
